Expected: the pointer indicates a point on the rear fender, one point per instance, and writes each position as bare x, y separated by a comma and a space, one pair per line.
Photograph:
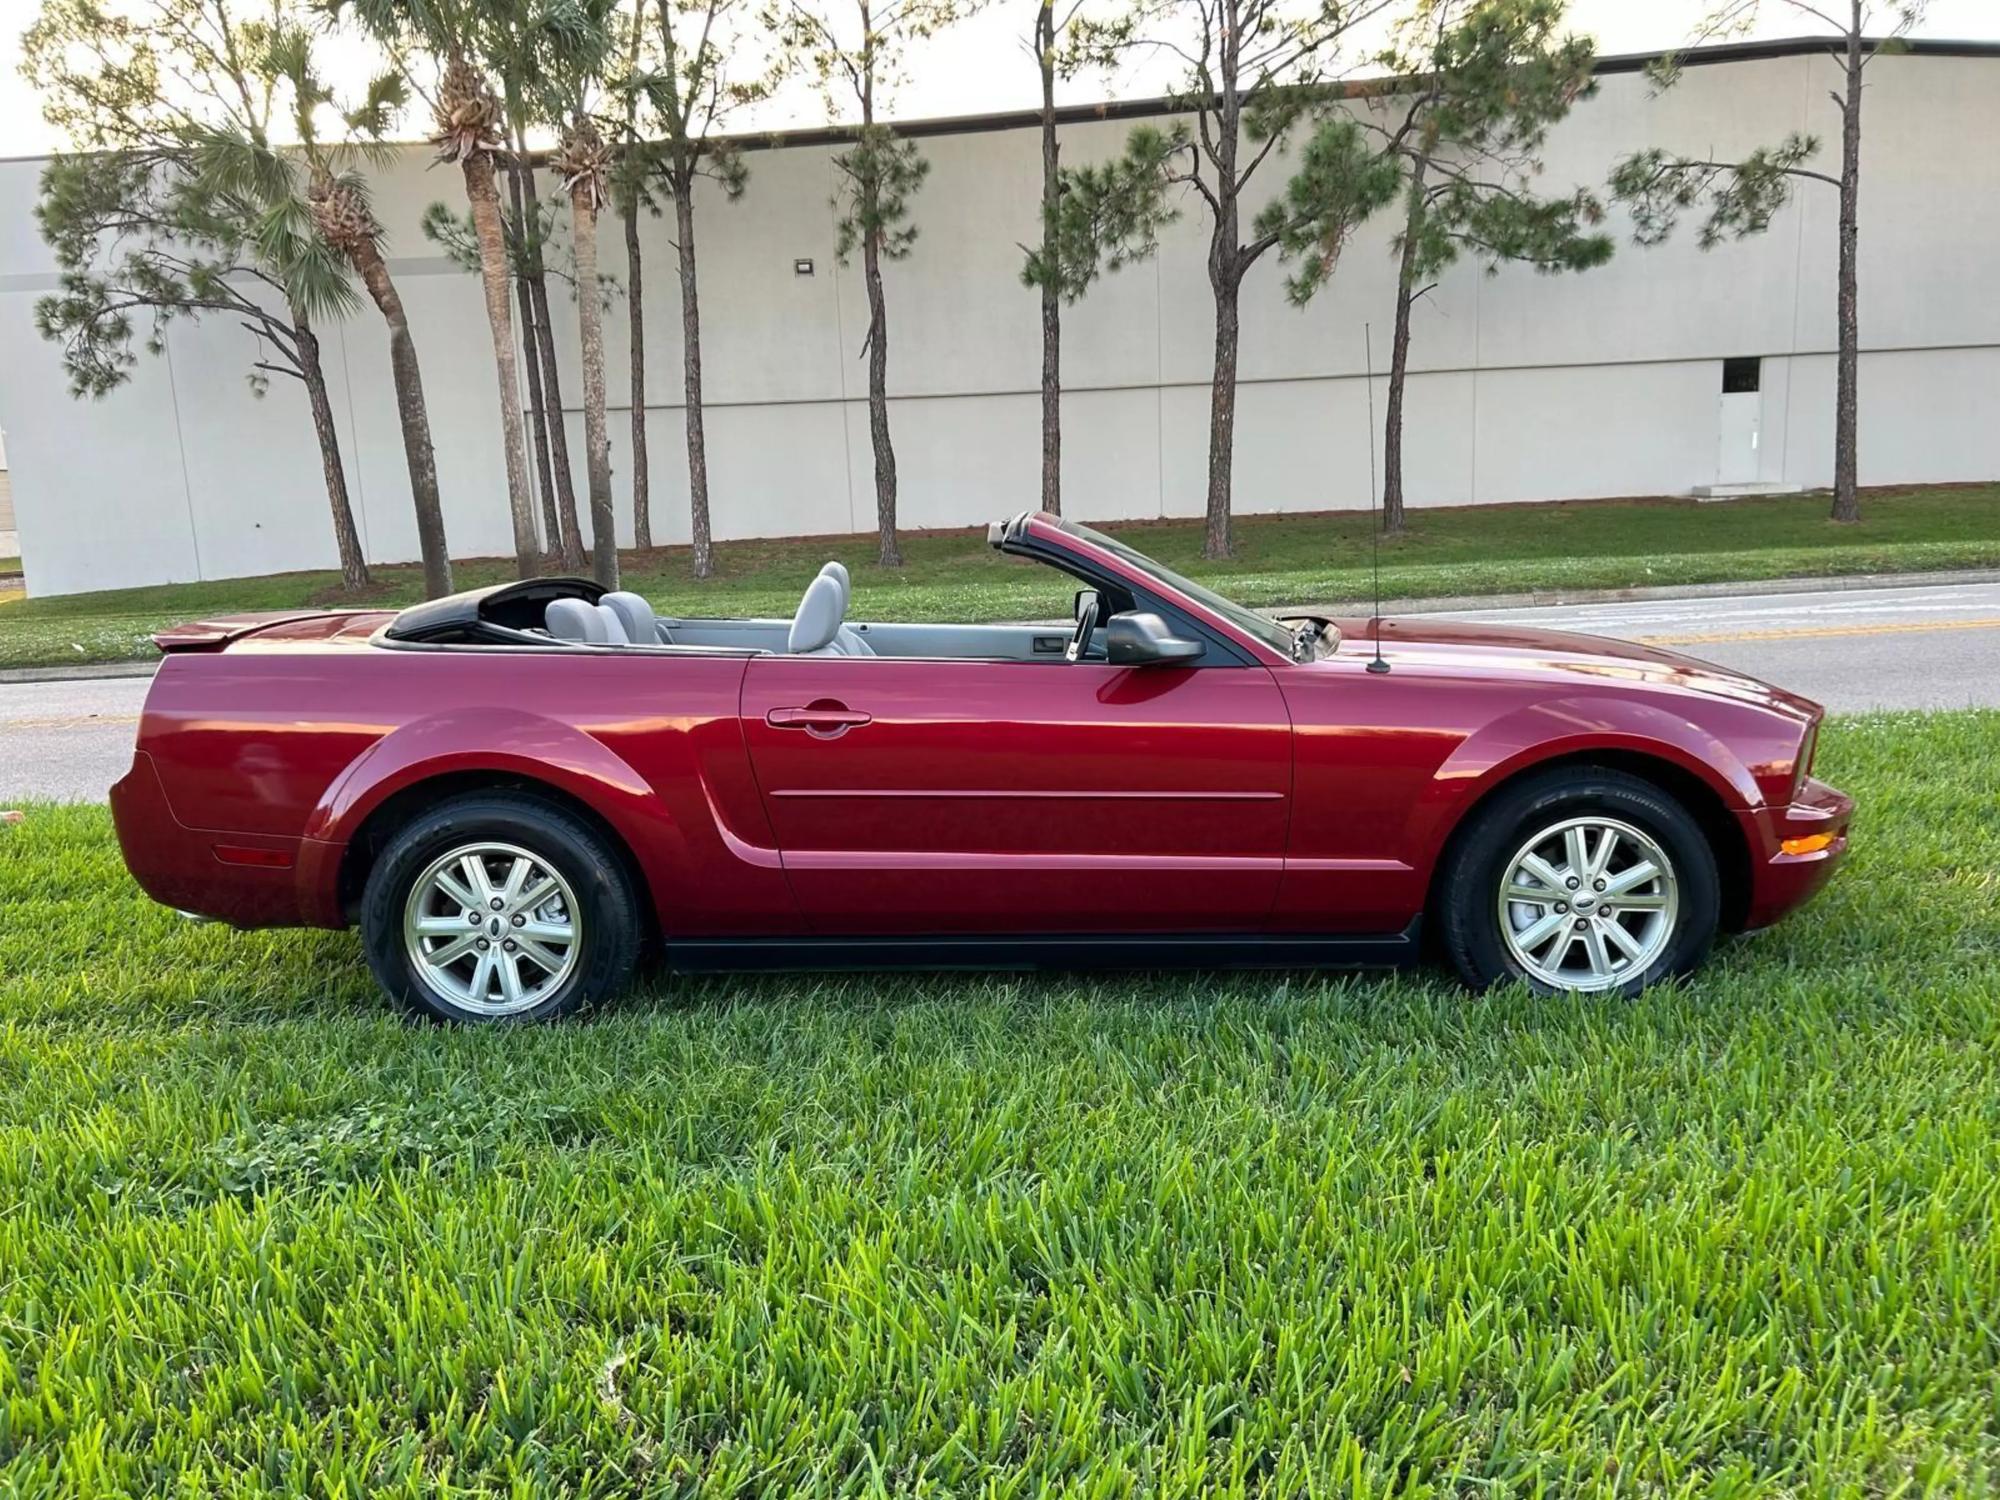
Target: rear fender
494, 740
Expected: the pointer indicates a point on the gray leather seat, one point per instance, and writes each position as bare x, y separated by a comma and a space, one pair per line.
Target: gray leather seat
816, 627
573, 620
636, 616
584, 624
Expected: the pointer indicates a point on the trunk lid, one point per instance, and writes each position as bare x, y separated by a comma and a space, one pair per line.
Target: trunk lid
219, 632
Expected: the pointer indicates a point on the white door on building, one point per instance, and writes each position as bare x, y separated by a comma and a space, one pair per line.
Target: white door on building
1740, 416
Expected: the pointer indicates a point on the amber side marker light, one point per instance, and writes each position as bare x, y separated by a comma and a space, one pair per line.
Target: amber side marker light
1812, 843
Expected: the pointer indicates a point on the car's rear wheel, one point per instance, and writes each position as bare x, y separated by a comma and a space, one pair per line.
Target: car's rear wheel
499, 907
1580, 880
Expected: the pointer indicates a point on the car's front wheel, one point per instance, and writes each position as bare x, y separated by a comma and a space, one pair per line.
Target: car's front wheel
499, 907
1580, 880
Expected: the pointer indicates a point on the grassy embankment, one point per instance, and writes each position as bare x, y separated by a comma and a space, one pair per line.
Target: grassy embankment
1131, 1235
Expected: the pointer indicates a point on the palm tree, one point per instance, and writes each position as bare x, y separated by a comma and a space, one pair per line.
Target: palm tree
584, 162
346, 221
517, 40
570, 48
467, 130
267, 200
629, 190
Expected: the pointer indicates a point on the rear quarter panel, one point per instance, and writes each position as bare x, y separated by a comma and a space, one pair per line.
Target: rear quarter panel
295, 742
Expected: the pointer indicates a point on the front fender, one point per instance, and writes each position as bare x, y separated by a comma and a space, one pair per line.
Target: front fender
1557, 728
508, 741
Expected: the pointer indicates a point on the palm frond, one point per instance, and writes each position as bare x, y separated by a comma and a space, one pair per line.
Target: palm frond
387, 96
227, 162
314, 275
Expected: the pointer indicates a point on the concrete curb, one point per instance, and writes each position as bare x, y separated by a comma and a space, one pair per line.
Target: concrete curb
82, 672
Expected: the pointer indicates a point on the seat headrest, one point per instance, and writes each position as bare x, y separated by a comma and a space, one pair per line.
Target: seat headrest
838, 573
636, 615
573, 620
819, 616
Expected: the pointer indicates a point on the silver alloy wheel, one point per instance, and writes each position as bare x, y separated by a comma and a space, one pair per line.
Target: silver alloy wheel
1588, 904
492, 928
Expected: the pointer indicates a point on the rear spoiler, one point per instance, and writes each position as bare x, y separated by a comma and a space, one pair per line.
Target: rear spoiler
218, 633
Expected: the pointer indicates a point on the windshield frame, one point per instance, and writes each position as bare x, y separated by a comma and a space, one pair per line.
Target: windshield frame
1260, 628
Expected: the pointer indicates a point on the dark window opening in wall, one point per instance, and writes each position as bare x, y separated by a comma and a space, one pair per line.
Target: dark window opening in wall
1740, 375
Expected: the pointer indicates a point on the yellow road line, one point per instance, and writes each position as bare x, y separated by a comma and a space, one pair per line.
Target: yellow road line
1819, 632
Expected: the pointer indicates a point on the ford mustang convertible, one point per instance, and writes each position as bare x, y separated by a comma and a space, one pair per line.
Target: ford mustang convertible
513, 791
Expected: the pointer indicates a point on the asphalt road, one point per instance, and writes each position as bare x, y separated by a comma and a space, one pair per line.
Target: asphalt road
67, 741
1852, 650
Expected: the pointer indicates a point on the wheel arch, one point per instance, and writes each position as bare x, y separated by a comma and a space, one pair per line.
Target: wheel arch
381, 823
1705, 805
486, 748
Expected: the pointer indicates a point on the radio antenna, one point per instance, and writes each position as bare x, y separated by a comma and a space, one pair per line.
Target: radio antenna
1378, 665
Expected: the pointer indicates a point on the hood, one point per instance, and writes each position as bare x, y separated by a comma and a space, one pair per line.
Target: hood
1461, 647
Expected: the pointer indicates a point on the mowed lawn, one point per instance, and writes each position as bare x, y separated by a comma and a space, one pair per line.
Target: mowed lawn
1129, 1235
1314, 559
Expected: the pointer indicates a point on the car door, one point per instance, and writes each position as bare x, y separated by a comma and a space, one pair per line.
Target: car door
922, 796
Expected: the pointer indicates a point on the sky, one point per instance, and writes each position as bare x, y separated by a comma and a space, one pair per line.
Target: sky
982, 65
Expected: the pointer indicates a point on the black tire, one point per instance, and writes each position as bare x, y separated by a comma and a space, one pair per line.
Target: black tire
1467, 910
607, 907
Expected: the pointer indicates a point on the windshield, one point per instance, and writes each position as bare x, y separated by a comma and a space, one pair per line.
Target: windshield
1270, 632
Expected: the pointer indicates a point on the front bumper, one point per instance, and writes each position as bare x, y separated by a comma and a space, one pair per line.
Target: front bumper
1782, 881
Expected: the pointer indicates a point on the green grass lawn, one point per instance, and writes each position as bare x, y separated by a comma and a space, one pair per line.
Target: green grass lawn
1162, 1236
1281, 560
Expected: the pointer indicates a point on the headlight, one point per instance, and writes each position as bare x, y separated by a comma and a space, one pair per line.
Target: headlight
1802, 767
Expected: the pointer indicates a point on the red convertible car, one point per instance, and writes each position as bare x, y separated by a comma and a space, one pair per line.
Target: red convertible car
514, 790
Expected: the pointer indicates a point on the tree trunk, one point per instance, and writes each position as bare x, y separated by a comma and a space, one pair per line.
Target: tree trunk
484, 195
353, 566
1225, 279
889, 554
545, 339
1045, 47
1847, 390
642, 500
1216, 540
414, 416
537, 409
1399, 356
596, 441
697, 432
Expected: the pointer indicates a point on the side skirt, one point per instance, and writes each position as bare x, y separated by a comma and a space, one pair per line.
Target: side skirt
1149, 950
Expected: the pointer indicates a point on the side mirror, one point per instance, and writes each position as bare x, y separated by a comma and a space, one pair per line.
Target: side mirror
1086, 598
1138, 638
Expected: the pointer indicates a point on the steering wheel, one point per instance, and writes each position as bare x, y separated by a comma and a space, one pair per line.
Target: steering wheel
1086, 622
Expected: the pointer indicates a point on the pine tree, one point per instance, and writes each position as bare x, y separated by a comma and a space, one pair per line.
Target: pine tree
1742, 196
854, 52
177, 205
1483, 82
1257, 71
